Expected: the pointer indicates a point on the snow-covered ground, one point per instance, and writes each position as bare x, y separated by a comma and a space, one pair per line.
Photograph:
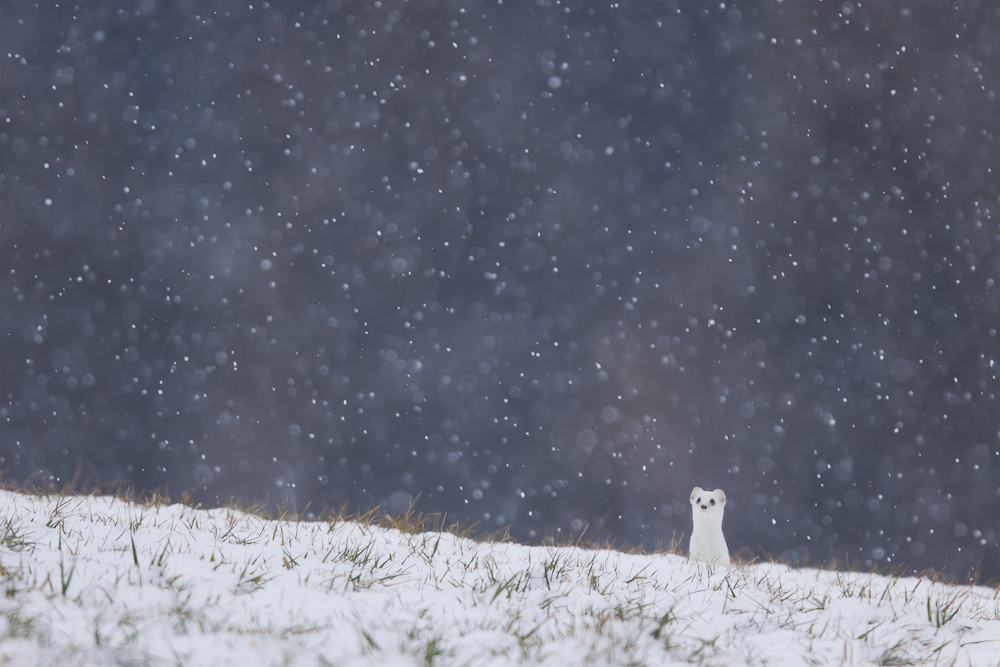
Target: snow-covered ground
100, 581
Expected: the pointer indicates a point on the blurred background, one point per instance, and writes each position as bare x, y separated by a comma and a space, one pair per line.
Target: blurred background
545, 266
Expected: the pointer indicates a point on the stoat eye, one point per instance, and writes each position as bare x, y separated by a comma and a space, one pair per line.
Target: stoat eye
712, 502
699, 500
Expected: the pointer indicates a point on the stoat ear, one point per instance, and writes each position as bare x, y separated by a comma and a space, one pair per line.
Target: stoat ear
695, 492
722, 496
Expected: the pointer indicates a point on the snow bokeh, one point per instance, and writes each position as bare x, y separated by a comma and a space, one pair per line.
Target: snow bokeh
541, 267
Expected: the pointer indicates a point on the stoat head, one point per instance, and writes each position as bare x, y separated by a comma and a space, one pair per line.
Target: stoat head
707, 501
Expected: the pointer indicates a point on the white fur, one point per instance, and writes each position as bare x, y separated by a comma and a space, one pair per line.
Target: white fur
708, 544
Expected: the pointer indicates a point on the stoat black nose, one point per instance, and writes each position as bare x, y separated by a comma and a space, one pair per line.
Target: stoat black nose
704, 507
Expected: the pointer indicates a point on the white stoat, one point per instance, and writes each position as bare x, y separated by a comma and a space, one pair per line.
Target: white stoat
708, 544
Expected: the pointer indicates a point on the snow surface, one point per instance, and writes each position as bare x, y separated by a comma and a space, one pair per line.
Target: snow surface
100, 581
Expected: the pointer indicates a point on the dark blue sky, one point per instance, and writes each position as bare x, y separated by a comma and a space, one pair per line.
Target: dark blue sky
541, 266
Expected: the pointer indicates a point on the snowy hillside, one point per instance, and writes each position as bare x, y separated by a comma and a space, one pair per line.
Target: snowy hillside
98, 581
